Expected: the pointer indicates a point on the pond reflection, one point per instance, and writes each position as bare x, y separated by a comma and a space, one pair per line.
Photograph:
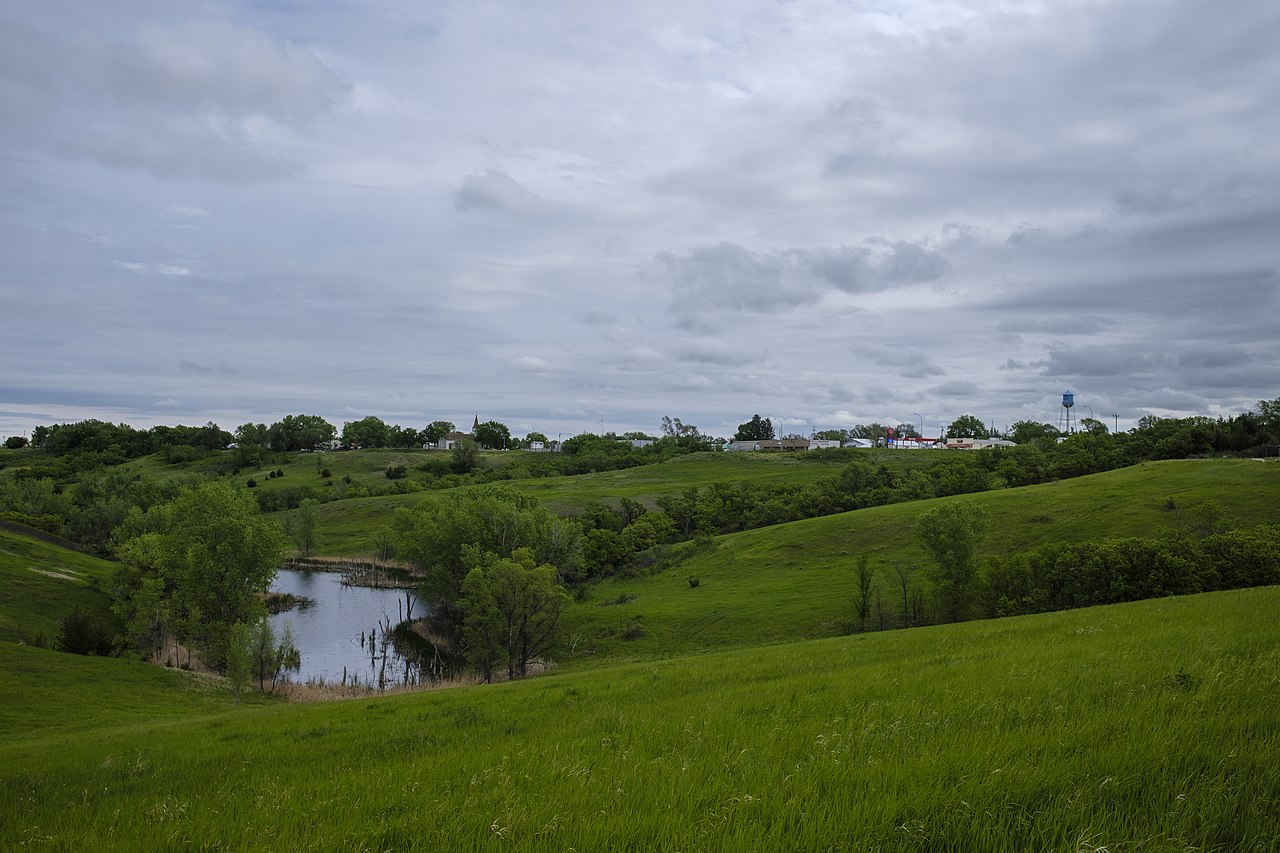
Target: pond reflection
345, 635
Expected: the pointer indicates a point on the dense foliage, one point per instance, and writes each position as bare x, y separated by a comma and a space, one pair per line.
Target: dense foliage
1065, 576
446, 539
194, 567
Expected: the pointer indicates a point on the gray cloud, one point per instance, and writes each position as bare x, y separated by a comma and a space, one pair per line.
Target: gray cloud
730, 277
1102, 361
955, 389
496, 190
191, 98
907, 361
565, 213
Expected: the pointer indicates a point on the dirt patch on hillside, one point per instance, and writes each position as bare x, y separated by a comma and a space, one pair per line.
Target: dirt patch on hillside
62, 576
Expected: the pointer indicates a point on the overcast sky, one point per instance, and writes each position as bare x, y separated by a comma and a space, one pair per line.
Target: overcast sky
564, 214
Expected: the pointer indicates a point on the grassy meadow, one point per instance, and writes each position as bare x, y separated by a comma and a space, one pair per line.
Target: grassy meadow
41, 582
1146, 726
739, 714
346, 527
795, 581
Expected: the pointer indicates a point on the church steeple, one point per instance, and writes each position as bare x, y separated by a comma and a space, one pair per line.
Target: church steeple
475, 423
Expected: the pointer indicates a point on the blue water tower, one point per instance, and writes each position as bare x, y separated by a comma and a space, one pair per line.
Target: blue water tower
1065, 416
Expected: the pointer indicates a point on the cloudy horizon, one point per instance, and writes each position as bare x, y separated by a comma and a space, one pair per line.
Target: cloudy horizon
569, 216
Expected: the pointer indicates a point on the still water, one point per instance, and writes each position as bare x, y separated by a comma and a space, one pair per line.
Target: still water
329, 632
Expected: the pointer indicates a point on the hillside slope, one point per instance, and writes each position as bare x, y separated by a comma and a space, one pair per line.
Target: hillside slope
347, 527
1140, 726
795, 581
41, 581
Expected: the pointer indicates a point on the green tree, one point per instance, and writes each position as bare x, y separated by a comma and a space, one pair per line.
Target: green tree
492, 435
950, 534
648, 531
874, 431
604, 551
366, 432
862, 595
437, 430
756, 429
967, 426
673, 428
251, 434
272, 658
483, 634
435, 535
15, 442
303, 527
239, 657
1032, 432
402, 437
464, 456
197, 565
300, 432
82, 634
906, 430
1093, 426
686, 510
512, 604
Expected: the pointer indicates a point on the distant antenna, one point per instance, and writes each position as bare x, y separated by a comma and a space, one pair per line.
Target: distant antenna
1066, 417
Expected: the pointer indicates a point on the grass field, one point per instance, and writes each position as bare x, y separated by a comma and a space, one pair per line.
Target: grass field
1147, 726
41, 583
346, 527
795, 581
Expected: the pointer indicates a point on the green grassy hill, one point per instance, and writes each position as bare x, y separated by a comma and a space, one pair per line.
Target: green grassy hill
41, 581
346, 527
795, 581
1145, 726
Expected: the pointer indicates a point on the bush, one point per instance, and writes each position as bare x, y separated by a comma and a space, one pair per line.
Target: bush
396, 472
326, 473
15, 442
693, 582
82, 634
252, 483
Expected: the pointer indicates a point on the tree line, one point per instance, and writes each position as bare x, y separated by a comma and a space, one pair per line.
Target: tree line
1200, 552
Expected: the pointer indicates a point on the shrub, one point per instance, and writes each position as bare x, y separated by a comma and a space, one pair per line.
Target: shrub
396, 472
326, 473
693, 582
252, 483
15, 442
82, 634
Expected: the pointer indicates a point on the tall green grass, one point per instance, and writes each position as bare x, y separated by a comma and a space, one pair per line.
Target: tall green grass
1147, 726
42, 582
796, 581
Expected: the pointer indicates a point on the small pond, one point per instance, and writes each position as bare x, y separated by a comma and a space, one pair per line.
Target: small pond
333, 633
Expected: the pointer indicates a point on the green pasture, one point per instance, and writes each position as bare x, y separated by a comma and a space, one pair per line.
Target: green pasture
796, 581
1145, 726
347, 527
41, 582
